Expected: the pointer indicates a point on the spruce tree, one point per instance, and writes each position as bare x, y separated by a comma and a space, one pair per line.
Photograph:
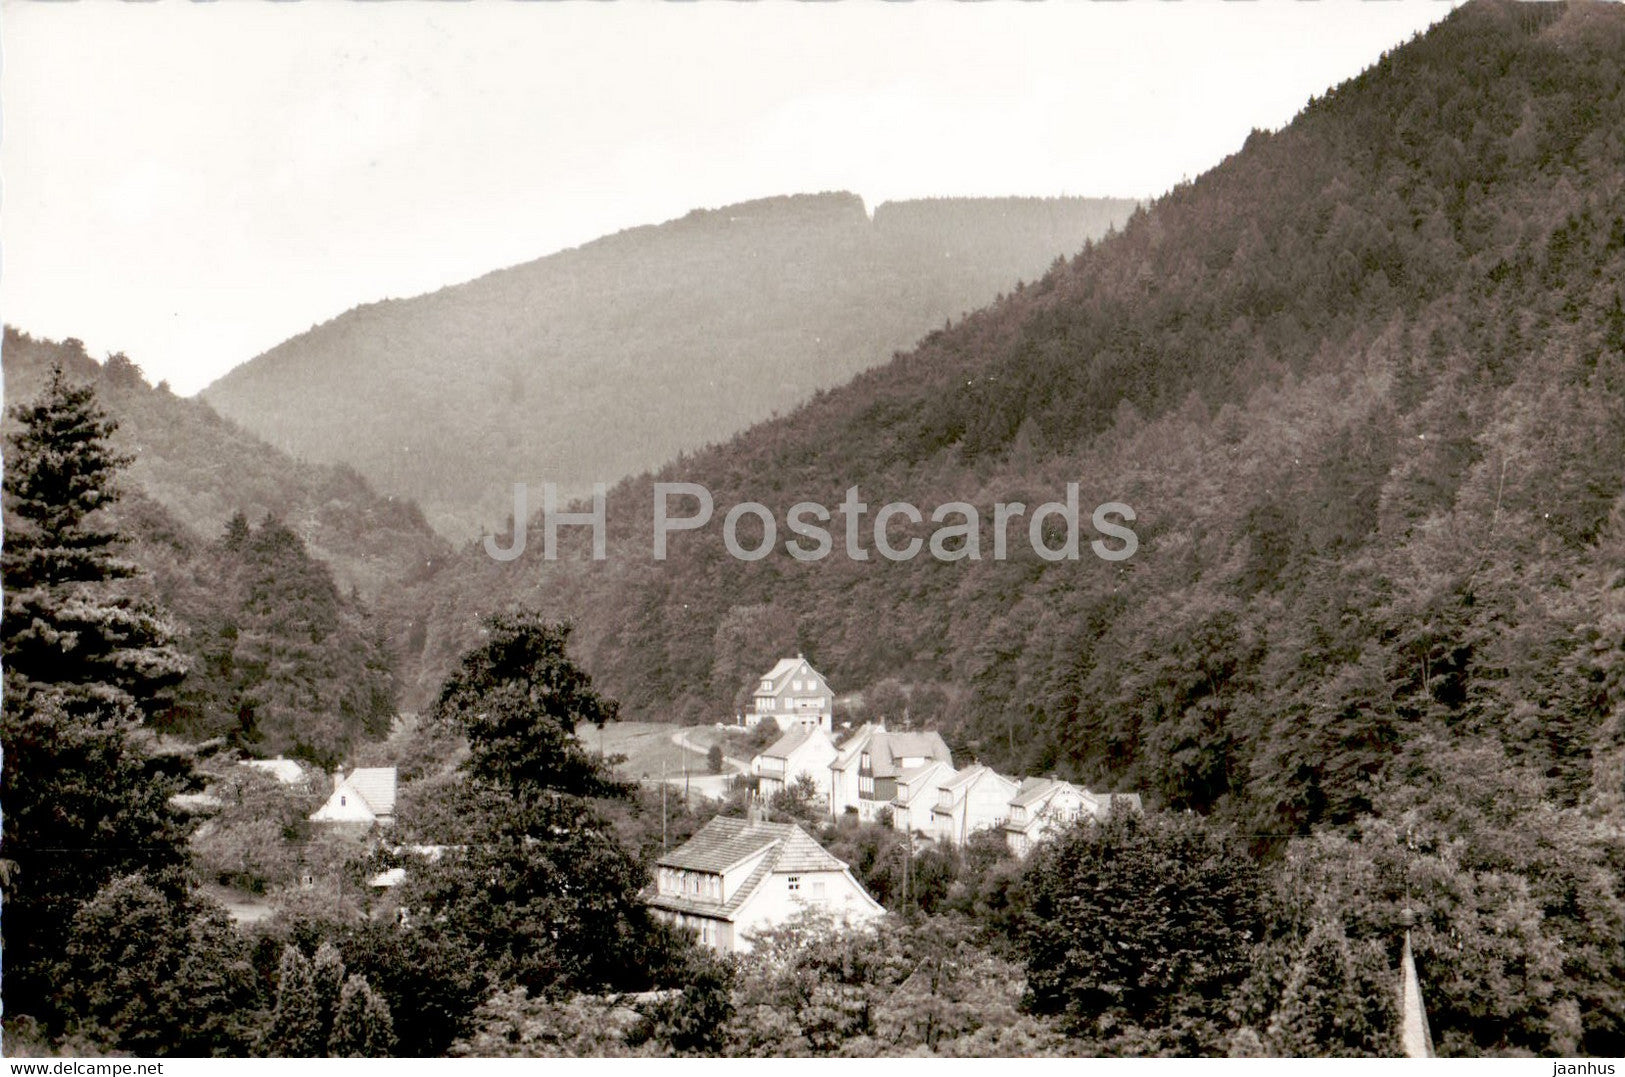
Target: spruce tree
327, 982
362, 1027
84, 662
68, 629
1324, 1010
295, 1030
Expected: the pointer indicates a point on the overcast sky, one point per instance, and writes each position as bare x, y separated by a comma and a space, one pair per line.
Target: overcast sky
192, 184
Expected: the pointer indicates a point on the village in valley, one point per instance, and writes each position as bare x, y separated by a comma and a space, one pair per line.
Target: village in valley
756, 864
307, 755
736, 876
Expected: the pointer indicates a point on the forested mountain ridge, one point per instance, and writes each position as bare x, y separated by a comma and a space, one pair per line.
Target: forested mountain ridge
204, 469
1364, 384
279, 577
598, 362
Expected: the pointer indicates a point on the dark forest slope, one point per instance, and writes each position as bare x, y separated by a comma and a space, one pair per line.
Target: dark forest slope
269, 571
203, 469
1364, 384
598, 362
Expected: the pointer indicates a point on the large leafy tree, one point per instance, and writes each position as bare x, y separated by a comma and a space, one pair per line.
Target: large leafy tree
85, 662
156, 976
1139, 923
542, 889
519, 699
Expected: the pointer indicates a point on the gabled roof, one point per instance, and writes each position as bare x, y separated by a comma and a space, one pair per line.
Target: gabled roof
780, 668
1041, 790
785, 849
724, 843
961, 782
964, 777
375, 785
887, 749
854, 744
919, 779
784, 669
1031, 790
787, 744
368, 793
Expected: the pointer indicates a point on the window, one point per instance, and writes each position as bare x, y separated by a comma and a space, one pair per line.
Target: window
818, 889
793, 883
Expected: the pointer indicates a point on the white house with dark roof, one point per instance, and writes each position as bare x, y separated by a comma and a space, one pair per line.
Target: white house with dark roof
366, 796
795, 696
738, 876
864, 775
799, 752
969, 800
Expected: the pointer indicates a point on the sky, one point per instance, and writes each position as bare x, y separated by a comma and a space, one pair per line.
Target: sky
191, 184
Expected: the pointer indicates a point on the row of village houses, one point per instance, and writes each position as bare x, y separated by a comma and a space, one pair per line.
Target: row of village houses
907, 777
736, 877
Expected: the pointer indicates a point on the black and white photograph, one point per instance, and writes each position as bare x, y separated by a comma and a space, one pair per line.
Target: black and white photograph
647, 530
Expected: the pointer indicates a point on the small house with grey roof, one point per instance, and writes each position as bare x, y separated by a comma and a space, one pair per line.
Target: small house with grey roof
365, 797
1044, 805
735, 877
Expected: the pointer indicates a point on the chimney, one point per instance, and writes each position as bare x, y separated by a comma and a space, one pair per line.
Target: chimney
752, 811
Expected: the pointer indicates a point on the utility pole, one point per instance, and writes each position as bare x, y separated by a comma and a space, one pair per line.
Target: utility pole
662, 805
908, 861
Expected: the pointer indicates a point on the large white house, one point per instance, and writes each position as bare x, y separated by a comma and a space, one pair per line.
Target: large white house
972, 799
795, 696
863, 777
799, 752
366, 796
738, 876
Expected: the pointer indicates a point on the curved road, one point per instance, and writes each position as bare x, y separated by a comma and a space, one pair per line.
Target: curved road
714, 786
